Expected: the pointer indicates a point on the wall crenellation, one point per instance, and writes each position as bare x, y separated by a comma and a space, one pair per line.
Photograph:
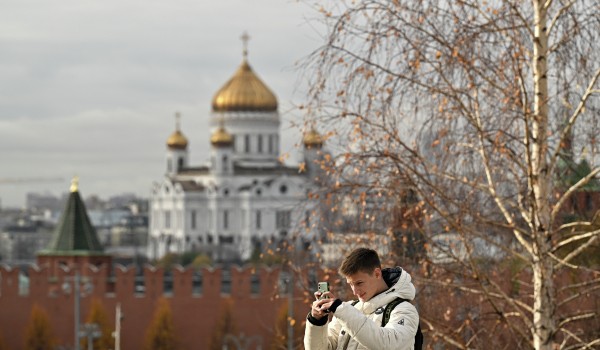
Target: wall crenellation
126, 282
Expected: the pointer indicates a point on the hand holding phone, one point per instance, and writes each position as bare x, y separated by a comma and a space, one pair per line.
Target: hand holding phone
323, 287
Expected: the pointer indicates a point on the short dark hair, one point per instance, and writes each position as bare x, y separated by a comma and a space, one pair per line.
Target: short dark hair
360, 260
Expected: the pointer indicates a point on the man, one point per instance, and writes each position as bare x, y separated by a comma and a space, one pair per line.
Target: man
358, 326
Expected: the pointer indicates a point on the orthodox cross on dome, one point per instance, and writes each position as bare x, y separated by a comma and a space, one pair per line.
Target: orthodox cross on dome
177, 120
245, 38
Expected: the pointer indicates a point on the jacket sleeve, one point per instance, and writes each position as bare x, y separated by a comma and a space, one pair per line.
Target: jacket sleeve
399, 332
322, 337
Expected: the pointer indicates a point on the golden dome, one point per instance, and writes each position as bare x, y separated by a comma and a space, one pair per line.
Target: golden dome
177, 140
313, 139
221, 138
244, 92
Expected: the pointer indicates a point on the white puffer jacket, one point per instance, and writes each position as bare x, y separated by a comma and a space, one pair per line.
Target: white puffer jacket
358, 327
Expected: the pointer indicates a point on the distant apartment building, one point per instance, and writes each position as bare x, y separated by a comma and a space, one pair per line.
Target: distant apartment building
121, 222
21, 240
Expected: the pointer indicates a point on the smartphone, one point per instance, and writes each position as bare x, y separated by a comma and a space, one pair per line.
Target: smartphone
323, 287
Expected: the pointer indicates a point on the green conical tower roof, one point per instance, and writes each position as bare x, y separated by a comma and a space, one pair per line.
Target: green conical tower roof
74, 234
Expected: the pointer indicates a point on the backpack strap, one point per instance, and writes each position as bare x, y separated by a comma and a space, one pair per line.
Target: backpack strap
388, 310
386, 317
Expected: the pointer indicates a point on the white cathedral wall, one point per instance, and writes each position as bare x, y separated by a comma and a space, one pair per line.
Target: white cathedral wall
242, 208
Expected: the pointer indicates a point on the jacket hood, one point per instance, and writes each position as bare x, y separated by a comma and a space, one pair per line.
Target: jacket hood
391, 275
400, 286
399, 282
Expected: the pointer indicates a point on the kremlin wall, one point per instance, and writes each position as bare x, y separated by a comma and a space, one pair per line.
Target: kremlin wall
199, 299
196, 297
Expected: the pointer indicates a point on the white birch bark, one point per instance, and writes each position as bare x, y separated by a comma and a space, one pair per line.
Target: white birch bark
543, 310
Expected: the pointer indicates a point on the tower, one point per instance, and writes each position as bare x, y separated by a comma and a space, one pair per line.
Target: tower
75, 243
221, 152
177, 154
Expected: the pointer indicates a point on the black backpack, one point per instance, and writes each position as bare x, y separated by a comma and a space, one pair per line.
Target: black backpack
386, 317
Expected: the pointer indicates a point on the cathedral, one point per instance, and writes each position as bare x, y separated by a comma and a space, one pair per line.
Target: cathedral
244, 196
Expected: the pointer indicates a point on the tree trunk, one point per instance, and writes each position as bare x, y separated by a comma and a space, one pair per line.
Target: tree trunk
543, 313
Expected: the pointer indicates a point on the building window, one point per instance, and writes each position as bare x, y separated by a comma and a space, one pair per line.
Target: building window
225, 165
260, 143
180, 164
247, 143
197, 283
225, 219
226, 239
168, 283
283, 219
255, 284
167, 219
139, 285
225, 281
258, 219
271, 144
193, 219
23, 283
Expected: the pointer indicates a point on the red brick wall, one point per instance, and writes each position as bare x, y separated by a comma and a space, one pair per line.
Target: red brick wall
195, 316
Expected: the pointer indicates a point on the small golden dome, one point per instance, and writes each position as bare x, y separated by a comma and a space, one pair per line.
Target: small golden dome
313, 139
221, 138
177, 140
244, 92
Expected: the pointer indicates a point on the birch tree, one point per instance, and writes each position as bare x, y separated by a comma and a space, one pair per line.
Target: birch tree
478, 107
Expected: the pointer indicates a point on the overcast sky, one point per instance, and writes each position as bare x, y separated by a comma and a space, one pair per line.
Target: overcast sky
90, 88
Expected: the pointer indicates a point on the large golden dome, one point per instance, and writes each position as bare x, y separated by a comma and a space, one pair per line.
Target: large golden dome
221, 138
313, 139
244, 92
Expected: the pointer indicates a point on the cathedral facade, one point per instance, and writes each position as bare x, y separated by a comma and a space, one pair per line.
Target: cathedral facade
245, 196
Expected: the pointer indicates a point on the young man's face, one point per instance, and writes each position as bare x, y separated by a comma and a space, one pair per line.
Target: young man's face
365, 285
